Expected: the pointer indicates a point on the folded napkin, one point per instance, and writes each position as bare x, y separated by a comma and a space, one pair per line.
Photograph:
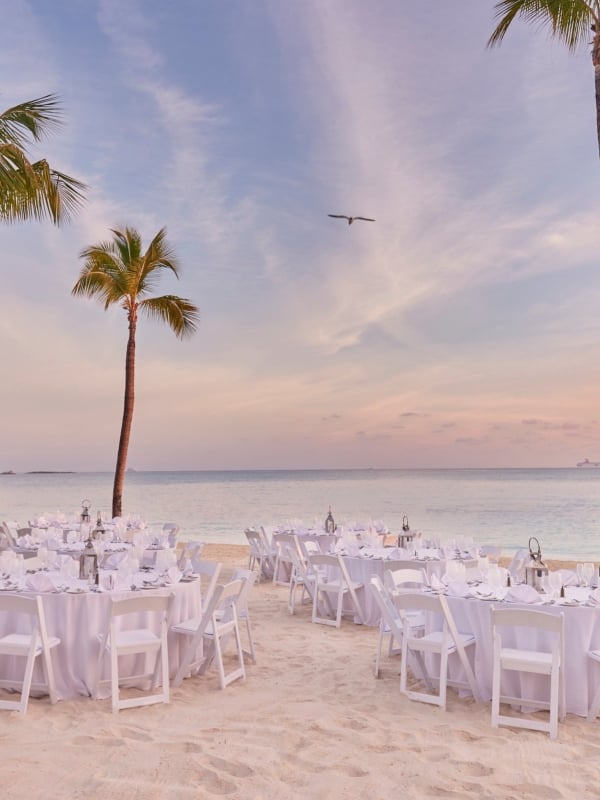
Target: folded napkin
486, 592
40, 582
594, 597
458, 589
436, 584
174, 575
114, 560
427, 553
523, 593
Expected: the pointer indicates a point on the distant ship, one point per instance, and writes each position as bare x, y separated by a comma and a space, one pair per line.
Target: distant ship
587, 463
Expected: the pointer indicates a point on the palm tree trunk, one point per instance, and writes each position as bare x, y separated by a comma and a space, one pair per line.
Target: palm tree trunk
128, 403
596, 63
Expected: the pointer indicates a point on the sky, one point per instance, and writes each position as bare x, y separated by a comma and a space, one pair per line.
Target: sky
460, 329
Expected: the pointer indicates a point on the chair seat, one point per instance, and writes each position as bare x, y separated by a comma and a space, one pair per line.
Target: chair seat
17, 644
188, 626
126, 641
433, 641
335, 586
595, 654
529, 660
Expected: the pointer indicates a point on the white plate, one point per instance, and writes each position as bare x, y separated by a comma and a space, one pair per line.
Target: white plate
75, 591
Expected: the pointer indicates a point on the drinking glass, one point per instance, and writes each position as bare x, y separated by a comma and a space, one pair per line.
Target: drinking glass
588, 572
555, 584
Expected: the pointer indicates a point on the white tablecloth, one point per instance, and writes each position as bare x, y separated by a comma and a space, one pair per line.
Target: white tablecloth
582, 633
362, 569
77, 619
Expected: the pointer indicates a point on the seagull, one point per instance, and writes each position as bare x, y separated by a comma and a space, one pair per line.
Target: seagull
350, 219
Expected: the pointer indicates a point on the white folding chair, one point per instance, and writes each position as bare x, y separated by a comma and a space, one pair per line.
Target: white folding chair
189, 552
243, 613
539, 661
27, 612
119, 641
172, 530
331, 578
492, 551
390, 621
517, 564
302, 577
595, 704
9, 534
258, 555
443, 643
214, 628
282, 569
394, 581
209, 570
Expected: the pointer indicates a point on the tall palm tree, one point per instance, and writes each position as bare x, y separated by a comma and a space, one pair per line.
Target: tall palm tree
569, 20
32, 189
118, 272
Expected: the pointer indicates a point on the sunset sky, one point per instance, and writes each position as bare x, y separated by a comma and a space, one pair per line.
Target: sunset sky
461, 329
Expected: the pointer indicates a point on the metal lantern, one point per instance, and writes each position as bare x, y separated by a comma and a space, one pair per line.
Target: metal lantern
330, 525
536, 570
88, 563
98, 531
85, 514
406, 537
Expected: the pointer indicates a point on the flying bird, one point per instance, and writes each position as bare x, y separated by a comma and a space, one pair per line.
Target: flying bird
350, 219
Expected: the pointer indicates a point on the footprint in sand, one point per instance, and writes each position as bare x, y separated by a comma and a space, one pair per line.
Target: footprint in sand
233, 768
212, 783
137, 735
474, 769
105, 741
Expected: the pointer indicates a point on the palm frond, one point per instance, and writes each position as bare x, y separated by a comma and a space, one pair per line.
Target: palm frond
568, 20
34, 118
180, 314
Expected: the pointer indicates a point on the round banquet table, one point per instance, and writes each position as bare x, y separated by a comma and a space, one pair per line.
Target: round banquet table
78, 620
362, 570
582, 633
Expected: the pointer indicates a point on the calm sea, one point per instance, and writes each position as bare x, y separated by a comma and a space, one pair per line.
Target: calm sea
561, 507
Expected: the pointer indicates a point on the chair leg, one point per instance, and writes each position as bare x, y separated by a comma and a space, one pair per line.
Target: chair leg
250, 651
554, 701
496, 693
595, 707
26, 687
379, 646
114, 678
49, 675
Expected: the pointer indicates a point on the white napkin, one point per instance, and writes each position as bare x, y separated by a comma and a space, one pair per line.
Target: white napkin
40, 582
458, 589
569, 578
174, 574
594, 597
487, 592
114, 560
436, 584
523, 593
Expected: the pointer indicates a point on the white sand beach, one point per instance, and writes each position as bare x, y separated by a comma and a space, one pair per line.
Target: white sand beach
310, 721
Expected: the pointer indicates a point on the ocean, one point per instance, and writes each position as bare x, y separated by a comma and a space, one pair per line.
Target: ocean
560, 507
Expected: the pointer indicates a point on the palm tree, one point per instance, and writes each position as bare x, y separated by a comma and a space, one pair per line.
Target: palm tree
118, 272
568, 20
33, 190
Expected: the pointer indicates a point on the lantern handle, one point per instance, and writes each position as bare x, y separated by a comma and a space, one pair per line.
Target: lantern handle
538, 554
